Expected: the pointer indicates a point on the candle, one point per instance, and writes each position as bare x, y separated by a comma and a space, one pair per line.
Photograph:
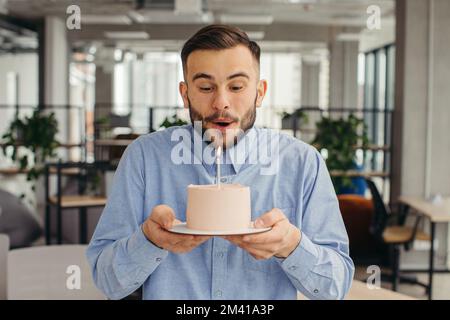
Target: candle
218, 155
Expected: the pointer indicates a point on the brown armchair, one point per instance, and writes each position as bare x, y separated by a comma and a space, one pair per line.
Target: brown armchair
357, 213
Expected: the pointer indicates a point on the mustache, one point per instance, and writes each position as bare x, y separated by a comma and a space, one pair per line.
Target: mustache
219, 115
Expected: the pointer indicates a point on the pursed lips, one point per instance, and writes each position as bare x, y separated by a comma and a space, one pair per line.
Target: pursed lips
222, 123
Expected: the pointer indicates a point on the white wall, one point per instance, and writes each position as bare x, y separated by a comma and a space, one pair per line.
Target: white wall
283, 74
343, 74
26, 67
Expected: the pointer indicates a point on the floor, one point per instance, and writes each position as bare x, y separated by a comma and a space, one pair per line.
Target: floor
441, 284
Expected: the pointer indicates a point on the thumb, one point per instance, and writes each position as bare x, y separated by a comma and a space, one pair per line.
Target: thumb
163, 215
176, 222
270, 218
259, 223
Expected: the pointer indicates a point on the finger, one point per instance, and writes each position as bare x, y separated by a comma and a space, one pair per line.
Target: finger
163, 215
184, 247
178, 249
188, 240
276, 235
270, 218
234, 239
263, 247
176, 222
262, 255
200, 239
258, 254
174, 238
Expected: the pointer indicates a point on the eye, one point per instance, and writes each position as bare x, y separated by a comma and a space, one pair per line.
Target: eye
236, 88
205, 89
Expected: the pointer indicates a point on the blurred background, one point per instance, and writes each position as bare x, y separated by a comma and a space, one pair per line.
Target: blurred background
365, 82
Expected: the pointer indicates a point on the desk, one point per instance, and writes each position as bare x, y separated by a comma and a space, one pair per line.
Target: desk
79, 201
436, 214
14, 171
357, 174
360, 291
113, 142
102, 145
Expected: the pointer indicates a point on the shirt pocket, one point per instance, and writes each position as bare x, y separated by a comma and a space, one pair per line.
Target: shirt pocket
269, 266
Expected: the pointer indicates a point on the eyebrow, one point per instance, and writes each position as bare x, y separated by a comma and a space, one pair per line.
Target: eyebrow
238, 74
202, 75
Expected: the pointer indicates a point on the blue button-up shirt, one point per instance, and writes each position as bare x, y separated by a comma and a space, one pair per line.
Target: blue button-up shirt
289, 175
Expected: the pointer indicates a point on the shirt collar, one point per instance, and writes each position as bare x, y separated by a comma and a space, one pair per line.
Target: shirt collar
237, 155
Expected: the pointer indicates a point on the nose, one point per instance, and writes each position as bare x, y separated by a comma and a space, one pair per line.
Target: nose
221, 101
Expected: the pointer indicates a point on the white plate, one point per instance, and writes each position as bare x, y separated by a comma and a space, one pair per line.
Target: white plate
183, 229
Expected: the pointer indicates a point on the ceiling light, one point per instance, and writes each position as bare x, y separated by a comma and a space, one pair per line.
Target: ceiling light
135, 35
136, 16
118, 55
303, 1
246, 19
105, 19
188, 6
255, 35
3, 6
348, 37
170, 17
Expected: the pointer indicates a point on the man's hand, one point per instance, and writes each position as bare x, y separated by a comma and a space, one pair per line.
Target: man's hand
280, 241
155, 229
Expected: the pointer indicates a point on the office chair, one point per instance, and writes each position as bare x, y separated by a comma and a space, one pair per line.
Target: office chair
388, 228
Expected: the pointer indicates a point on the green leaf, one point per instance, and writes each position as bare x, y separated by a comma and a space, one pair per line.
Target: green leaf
340, 138
36, 133
172, 121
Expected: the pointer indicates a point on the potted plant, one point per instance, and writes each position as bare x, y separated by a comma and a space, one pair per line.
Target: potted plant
341, 138
36, 134
172, 121
294, 120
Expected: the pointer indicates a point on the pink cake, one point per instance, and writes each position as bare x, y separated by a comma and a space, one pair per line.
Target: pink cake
211, 208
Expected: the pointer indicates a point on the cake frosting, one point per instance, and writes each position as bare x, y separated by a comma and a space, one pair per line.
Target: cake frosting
211, 208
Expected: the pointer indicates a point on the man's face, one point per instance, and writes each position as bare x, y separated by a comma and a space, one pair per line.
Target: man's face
222, 89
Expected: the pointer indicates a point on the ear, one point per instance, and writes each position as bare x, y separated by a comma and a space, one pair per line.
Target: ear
261, 91
183, 92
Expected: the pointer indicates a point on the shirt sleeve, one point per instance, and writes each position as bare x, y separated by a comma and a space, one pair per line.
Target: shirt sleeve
320, 267
120, 256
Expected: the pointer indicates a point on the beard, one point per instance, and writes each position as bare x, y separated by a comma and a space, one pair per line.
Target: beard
231, 137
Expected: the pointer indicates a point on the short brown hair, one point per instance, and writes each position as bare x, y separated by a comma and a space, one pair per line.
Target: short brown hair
218, 37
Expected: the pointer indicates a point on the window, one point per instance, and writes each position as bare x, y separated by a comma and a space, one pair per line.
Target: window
379, 104
283, 73
148, 80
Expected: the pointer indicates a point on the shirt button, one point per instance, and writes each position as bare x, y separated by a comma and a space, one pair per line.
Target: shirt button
219, 254
316, 290
293, 268
158, 259
223, 180
218, 293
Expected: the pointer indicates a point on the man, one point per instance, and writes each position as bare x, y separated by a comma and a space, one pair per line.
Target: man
307, 248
